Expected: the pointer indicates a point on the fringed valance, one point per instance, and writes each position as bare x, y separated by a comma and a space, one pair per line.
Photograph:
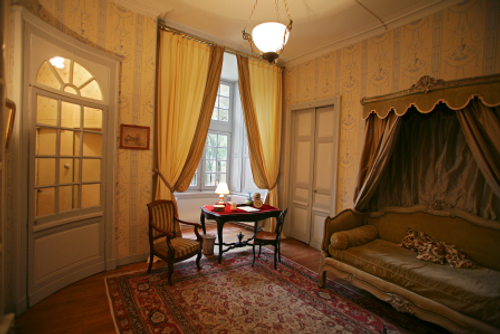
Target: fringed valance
428, 92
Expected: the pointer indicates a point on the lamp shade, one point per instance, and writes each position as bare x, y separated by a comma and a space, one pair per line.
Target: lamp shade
222, 189
270, 36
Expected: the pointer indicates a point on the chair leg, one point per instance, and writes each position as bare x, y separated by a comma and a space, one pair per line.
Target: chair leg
253, 248
170, 271
151, 257
198, 259
260, 249
275, 254
279, 252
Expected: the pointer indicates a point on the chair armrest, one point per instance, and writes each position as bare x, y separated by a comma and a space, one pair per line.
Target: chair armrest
169, 235
196, 227
345, 220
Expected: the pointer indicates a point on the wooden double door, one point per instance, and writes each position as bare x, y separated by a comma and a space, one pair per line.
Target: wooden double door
315, 136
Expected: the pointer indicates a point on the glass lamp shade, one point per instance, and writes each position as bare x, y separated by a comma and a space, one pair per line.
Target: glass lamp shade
268, 37
222, 190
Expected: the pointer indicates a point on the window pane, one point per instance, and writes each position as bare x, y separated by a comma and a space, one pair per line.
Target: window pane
80, 74
91, 195
70, 142
47, 77
46, 110
92, 144
221, 178
222, 141
210, 179
63, 70
223, 115
212, 140
215, 114
92, 119
194, 181
91, 170
46, 141
222, 154
68, 198
69, 170
224, 103
210, 166
44, 201
70, 115
71, 90
92, 90
224, 90
221, 166
45, 171
210, 153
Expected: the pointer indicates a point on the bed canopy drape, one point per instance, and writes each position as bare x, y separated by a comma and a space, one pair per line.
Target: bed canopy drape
434, 147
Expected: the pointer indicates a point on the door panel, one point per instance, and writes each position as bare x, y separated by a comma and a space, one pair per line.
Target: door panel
66, 234
302, 167
315, 140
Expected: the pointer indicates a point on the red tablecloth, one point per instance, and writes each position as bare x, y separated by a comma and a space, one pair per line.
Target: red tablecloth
228, 210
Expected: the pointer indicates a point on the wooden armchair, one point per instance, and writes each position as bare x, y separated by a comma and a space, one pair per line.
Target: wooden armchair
163, 223
270, 238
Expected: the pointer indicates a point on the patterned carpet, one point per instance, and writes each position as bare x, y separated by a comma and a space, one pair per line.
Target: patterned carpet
233, 297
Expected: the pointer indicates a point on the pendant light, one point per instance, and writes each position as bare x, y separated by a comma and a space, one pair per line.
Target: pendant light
268, 39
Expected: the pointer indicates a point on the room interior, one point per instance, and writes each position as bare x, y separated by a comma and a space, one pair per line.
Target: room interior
337, 55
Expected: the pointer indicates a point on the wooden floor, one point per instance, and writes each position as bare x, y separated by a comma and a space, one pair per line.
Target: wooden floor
83, 306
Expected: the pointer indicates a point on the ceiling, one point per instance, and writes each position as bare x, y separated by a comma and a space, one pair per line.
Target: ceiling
319, 26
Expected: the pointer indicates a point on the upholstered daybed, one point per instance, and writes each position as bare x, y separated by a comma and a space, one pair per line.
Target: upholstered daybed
460, 300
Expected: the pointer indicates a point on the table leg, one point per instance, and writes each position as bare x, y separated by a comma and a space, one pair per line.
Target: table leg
202, 221
221, 241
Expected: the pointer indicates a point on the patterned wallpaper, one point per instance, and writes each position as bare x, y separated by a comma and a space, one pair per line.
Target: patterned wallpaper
459, 42
462, 41
104, 25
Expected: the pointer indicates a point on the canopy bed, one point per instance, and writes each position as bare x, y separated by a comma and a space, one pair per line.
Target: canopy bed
424, 231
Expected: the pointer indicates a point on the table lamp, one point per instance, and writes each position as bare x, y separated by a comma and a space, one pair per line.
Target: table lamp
222, 190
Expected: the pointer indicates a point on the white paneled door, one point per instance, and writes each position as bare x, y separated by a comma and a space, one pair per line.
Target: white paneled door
70, 166
314, 153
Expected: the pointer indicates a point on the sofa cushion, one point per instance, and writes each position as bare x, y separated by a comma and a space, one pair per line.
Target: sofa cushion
432, 252
457, 257
354, 237
473, 292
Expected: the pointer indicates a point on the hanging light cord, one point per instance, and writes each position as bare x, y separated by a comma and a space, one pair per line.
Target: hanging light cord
277, 12
369, 11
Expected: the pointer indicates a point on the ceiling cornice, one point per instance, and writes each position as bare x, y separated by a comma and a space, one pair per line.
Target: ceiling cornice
361, 35
151, 8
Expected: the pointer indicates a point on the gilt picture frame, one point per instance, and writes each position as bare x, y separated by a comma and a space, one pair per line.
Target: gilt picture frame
134, 137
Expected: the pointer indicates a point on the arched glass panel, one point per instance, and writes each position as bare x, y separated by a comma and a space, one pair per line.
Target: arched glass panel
69, 76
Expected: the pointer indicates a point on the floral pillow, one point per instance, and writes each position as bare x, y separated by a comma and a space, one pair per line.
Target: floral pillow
457, 257
409, 240
413, 240
432, 252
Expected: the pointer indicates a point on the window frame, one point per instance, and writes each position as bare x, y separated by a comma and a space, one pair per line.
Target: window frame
220, 128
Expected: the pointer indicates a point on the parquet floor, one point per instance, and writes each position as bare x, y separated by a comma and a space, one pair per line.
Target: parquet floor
82, 308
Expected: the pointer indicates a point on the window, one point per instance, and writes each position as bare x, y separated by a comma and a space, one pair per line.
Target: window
214, 163
68, 139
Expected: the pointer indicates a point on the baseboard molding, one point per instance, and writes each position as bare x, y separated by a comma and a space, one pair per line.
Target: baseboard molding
132, 259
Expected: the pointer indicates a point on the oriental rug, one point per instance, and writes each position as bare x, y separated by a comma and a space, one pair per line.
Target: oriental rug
234, 297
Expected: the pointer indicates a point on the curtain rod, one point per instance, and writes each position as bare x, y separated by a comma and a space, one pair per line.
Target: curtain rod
205, 41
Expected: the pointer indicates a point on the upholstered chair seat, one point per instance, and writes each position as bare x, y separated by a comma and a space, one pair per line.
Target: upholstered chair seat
182, 247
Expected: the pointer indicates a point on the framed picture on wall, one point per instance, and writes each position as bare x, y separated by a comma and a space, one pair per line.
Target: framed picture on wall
134, 137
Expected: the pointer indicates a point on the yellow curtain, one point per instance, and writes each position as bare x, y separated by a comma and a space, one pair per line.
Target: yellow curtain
188, 80
260, 87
